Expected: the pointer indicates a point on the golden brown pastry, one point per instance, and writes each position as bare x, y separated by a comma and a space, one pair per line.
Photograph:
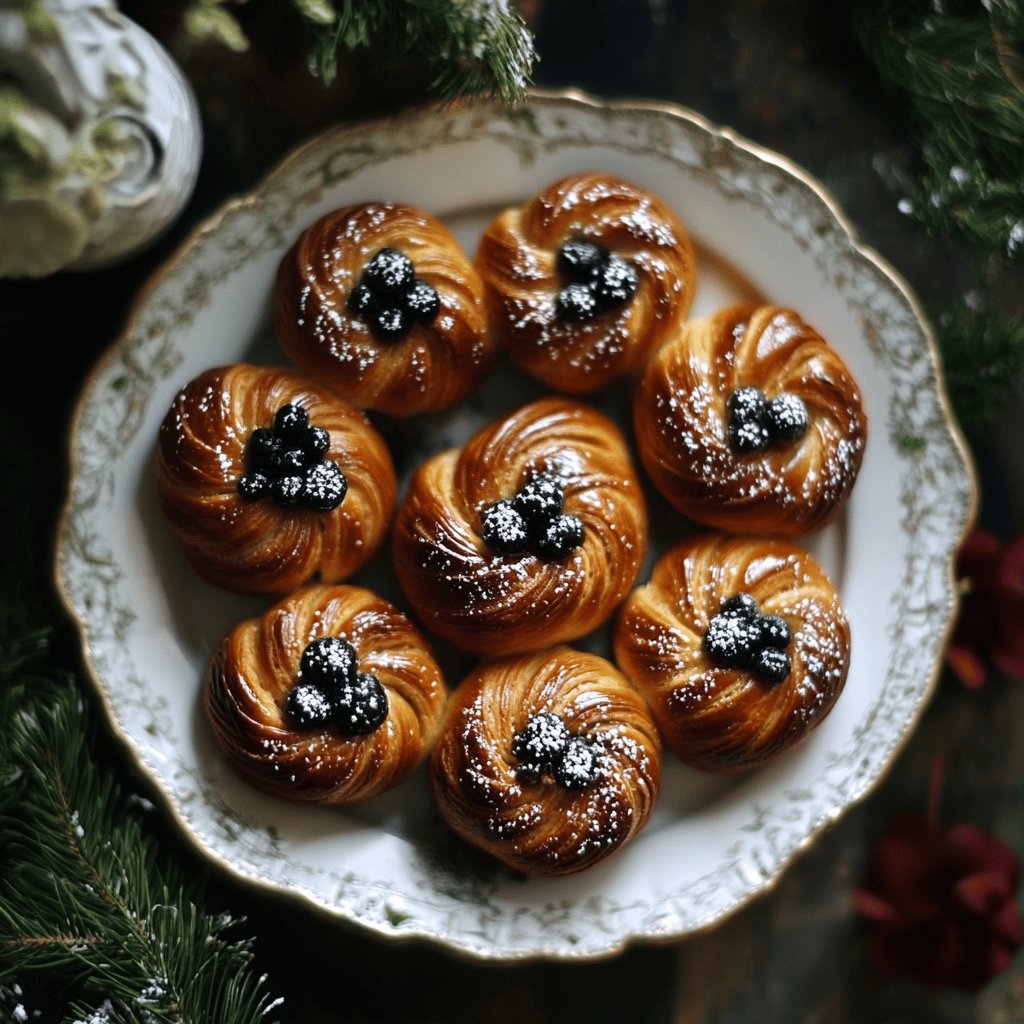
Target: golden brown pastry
740, 645
331, 696
585, 280
379, 303
529, 535
750, 422
549, 761
270, 482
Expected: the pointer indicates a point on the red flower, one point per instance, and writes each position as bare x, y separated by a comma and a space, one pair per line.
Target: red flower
990, 626
942, 903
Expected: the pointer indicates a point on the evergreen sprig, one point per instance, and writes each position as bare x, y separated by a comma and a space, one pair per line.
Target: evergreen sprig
87, 903
983, 358
962, 72
475, 47
957, 68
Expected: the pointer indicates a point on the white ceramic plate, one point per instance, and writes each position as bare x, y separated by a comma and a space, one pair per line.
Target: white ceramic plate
148, 623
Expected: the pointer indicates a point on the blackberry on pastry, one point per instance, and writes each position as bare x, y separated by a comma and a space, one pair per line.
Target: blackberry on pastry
270, 482
585, 280
750, 422
378, 302
547, 761
740, 645
527, 536
331, 696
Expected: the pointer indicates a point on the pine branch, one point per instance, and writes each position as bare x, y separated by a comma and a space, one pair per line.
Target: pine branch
85, 899
475, 47
983, 357
963, 76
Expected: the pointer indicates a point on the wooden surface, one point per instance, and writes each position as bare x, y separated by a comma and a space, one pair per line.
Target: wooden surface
786, 75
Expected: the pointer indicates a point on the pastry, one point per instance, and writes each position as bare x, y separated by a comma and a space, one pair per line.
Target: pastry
739, 644
750, 422
331, 696
379, 303
585, 280
270, 482
548, 761
527, 536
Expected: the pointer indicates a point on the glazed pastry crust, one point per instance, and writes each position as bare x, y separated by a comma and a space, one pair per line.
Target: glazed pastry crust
681, 423
538, 826
430, 368
257, 546
503, 604
517, 261
726, 719
253, 668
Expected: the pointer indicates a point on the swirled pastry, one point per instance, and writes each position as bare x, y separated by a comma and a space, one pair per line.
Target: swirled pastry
527, 536
585, 280
548, 761
740, 645
331, 696
750, 422
379, 303
270, 482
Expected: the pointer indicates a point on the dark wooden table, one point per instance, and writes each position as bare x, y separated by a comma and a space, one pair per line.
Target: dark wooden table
788, 75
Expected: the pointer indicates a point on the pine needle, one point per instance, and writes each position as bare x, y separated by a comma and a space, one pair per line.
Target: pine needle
86, 900
963, 76
983, 356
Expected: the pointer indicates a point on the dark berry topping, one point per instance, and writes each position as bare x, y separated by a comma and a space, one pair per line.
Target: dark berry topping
287, 490
389, 274
264, 451
328, 662
359, 707
287, 463
755, 422
577, 303
748, 421
291, 422
253, 485
540, 744
598, 280
774, 631
316, 444
732, 639
390, 297
616, 282
561, 537
391, 324
739, 636
422, 302
540, 500
772, 664
532, 520
504, 529
325, 486
307, 704
293, 461
740, 604
787, 417
579, 259
362, 301
578, 767
330, 688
